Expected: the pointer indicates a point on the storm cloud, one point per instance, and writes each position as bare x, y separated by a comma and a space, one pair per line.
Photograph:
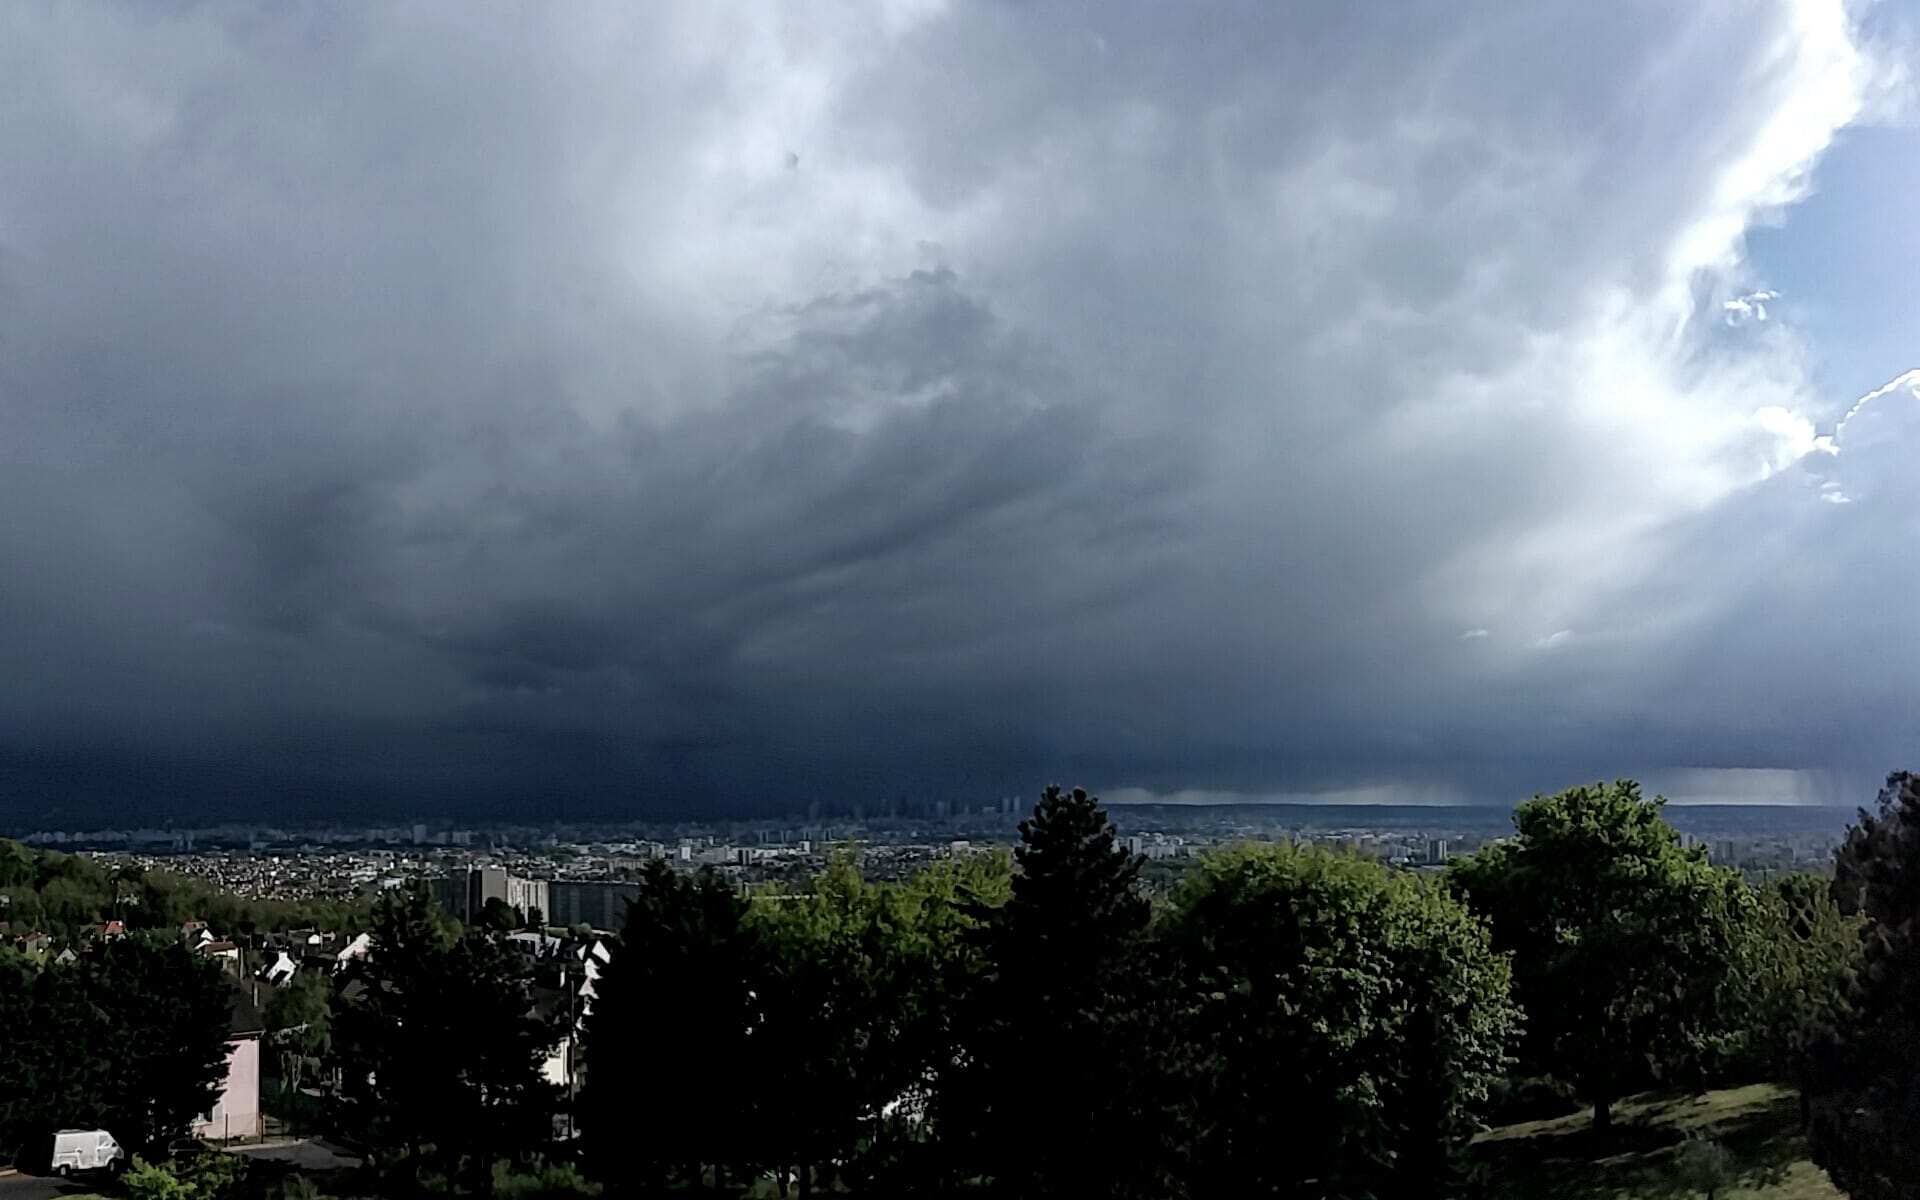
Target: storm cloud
710, 408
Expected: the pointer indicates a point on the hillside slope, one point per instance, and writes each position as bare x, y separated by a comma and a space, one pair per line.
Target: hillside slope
1563, 1159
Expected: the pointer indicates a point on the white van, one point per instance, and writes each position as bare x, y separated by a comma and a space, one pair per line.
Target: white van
86, 1150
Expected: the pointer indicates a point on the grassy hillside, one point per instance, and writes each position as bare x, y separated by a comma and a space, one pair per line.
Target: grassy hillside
1563, 1158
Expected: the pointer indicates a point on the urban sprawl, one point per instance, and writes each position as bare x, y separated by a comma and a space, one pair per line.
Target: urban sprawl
581, 874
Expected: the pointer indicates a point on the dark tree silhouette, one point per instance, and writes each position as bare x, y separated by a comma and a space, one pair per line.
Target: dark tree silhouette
130, 1037
1048, 1099
440, 1053
1864, 1082
672, 1085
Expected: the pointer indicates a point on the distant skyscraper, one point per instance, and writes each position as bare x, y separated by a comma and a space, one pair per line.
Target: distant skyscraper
1437, 850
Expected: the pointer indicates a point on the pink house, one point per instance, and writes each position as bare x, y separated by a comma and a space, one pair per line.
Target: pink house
236, 1110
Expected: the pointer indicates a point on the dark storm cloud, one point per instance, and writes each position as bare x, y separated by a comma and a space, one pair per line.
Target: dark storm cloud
446, 408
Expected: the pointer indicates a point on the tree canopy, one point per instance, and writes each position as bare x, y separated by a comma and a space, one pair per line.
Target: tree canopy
440, 1052
130, 1037
1625, 944
1351, 1014
1796, 970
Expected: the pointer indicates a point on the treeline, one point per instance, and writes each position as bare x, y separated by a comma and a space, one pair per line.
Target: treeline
1289, 1021
62, 895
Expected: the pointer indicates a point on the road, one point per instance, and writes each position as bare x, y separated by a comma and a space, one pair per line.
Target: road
43, 1187
307, 1154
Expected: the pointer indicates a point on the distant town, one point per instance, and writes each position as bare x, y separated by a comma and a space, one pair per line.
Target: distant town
574, 875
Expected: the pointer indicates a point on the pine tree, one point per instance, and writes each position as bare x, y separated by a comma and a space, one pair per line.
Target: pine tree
1047, 1099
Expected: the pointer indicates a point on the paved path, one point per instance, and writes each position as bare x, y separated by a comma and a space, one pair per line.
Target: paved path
309, 1154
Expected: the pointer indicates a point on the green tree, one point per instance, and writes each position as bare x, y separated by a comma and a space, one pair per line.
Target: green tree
20, 1088
1864, 1081
440, 1055
16, 864
1350, 1014
132, 1037
857, 983
1047, 1097
499, 916
826, 986
167, 1018
676, 1002
1796, 967
299, 1025
1625, 945
202, 1176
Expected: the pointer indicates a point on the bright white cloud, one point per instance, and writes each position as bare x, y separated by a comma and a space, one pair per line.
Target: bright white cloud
1750, 307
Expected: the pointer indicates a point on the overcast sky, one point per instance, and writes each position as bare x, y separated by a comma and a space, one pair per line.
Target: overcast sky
564, 409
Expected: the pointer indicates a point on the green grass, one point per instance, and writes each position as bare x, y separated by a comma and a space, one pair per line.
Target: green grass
1564, 1159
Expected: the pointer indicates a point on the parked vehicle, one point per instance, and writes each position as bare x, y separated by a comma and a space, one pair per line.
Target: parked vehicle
86, 1150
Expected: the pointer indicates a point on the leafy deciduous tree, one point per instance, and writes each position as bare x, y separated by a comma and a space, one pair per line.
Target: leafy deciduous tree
1350, 1020
131, 1037
1624, 943
1797, 956
856, 983
299, 1024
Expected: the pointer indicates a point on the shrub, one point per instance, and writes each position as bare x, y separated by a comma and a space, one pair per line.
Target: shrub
1703, 1165
202, 1176
540, 1180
